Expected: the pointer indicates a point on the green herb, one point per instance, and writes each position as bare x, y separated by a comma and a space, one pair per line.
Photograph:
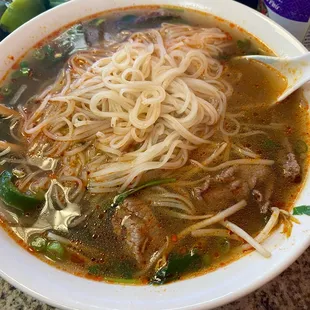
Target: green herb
176, 266
24, 64
49, 51
95, 270
300, 147
55, 250
38, 54
244, 45
23, 71
6, 90
223, 245
38, 243
52, 55
301, 210
15, 199
121, 197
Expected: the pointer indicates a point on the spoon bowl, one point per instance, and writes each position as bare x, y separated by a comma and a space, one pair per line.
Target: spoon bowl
296, 70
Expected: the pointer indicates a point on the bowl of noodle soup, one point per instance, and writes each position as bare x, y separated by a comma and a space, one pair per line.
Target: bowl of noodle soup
139, 152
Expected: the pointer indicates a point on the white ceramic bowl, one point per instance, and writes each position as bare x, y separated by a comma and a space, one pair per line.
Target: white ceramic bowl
66, 291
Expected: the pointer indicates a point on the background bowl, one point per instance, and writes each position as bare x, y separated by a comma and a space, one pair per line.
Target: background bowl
63, 290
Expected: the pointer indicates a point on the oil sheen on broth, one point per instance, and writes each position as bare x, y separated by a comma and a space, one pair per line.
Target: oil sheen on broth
167, 230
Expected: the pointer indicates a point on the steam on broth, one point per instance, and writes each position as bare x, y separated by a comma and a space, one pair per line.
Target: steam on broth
141, 151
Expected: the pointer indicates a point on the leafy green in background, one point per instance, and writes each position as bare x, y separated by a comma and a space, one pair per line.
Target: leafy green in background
301, 210
17, 12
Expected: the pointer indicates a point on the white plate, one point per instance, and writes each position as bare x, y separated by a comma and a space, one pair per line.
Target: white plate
66, 291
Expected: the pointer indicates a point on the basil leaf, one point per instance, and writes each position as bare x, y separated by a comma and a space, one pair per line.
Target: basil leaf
121, 197
244, 45
301, 210
176, 266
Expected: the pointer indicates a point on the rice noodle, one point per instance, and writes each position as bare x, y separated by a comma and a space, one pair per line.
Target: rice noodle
267, 162
159, 96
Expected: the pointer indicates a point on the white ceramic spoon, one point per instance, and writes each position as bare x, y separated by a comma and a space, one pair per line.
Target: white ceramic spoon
295, 69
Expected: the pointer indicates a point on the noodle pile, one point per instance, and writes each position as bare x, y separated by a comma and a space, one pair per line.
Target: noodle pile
111, 118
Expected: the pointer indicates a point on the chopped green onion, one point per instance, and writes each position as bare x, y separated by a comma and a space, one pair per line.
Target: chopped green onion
244, 45
6, 90
300, 147
38, 243
121, 197
55, 250
38, 54
24, 64
223, 245
50, 52
25, 71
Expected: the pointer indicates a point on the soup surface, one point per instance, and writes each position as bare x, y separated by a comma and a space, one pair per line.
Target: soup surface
136, 147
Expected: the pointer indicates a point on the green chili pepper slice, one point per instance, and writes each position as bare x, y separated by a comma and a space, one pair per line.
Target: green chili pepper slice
38, 243
6, 90
15, 199
300, 147
55, 250
38, 54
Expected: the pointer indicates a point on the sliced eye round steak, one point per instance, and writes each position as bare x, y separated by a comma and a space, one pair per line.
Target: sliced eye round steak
141, 232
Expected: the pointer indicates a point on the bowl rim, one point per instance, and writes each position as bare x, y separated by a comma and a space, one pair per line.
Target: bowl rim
238, 292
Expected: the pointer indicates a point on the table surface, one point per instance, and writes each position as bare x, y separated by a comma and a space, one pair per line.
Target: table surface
289, 291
